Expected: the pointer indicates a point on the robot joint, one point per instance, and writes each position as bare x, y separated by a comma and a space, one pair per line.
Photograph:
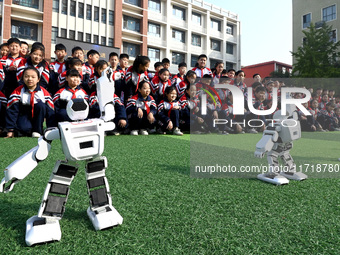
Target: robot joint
93, 183
66, 171
95, 166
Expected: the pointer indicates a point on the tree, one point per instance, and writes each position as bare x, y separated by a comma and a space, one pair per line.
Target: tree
319, 55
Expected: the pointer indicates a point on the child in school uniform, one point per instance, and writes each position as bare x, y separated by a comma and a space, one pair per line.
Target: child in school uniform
10, 65
141, 110
312, 123
28, 106
99, 67
117, 75
135, 74
328, 119
159, 83
157, 66
4, 51
123, 63
74, 63
217, 73
182, 69
70, 91
78, 52
200, 69
59, 65
3, 105
169, 112
190, 78
36, 60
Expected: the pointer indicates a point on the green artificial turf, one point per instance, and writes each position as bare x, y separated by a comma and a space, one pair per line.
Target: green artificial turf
166, 211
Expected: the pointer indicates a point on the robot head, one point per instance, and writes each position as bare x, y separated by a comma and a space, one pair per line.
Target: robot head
77, 109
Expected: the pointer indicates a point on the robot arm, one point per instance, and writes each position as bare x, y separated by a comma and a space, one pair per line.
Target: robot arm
266, 143
105, 94
22, 166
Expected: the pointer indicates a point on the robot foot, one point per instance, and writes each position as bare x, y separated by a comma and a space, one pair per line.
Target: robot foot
273, 178
297, 176
109, 217
41, 230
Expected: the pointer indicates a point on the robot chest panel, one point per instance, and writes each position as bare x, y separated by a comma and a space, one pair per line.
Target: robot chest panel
82, 141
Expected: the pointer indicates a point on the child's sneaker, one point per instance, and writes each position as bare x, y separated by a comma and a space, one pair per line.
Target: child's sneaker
134, 132
177, 131
143, 132
152, 131
36, 135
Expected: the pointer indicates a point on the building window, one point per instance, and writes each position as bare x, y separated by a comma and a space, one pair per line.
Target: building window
230, 48
88, 12
24, 30
194, 60
81, 10
130, 23
55, 6
215, 45
88, 38
329, 13
72, 34
64, 7
332, 36
154, 30
73, 6
133, 2
32, 3
196, 19
178, 12
96, 13
131, 49
229, 65
306, 19
103, 16
196, 40
230, 29
154, 5
154, 54
216, 25
111, 18
110, 42
178, 35
95, 39
213, 62
63, 33
80, 36
103, 40
177, 58
54, 35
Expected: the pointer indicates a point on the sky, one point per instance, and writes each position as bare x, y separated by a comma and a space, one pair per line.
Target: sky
266, 29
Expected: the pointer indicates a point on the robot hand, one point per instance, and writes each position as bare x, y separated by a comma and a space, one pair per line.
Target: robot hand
18, 170
259, 154
22, 166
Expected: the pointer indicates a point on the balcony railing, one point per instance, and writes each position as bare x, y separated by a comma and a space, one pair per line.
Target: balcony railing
27, 3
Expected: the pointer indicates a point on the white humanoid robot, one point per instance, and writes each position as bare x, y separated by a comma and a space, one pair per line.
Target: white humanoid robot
277, 141
81, 140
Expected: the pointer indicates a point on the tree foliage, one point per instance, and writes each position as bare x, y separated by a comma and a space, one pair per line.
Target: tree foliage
319, 55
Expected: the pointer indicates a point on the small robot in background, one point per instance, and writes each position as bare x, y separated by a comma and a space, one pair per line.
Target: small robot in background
277, 140
81, 140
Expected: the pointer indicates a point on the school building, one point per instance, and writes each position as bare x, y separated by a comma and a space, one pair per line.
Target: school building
180, 30
264, 69
318, 12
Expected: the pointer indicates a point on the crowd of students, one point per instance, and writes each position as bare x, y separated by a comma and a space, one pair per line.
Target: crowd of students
33, 91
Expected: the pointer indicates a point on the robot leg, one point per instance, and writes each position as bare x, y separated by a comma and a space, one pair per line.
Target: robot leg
101, 212
290, 167
273, 175
45, 227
